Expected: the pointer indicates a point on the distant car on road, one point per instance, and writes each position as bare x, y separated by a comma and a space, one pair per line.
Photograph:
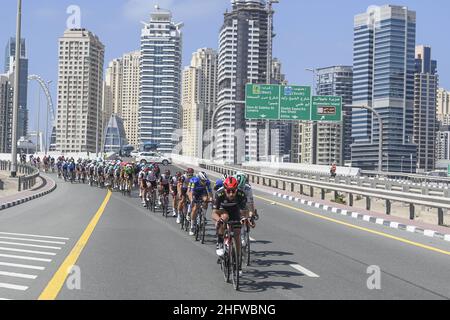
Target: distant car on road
134, 154
153, 157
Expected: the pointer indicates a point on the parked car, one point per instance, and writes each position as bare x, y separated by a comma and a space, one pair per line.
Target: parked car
154, 157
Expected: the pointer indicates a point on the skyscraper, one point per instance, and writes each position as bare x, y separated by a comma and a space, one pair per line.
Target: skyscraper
121, 93
160, 81
199, 99
10, 52
243, 58
6, 113
327, 143
384, 67
425, 122
80, 83
443, 106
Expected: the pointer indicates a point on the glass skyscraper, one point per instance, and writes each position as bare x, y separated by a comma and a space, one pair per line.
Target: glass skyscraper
383, 78
10, 52
160, 82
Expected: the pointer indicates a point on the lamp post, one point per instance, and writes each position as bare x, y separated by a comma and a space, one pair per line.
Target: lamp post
16, 91
380, 121
314, 125
47, 144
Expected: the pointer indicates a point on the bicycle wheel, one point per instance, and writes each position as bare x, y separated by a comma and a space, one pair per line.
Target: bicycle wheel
246, 248
234, 264
198, 225
203, 228
225, 265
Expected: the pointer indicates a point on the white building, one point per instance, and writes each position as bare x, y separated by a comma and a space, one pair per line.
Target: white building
80, 82
160, 82
243, 58
199, 99
121, 93
443, 106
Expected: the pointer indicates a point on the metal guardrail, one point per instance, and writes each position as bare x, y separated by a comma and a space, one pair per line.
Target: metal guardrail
389, 193
380, 183
419, 178
30, 174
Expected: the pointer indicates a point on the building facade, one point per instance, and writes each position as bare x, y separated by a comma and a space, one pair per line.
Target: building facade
425, 101
199, 99
327, 143
10, 52
160, 82
244, 57
79, 124
6, 113
443, 106
115, 138
121, 93
383, 78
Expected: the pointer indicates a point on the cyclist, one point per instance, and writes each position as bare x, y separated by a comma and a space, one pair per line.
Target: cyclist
229, 205
219, 183
151, 181
143, 183
199, 192
71, 168
333, 170
250, 211
183, 185
174, 191
164, 186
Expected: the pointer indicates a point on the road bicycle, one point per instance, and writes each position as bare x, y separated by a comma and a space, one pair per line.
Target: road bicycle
231, 261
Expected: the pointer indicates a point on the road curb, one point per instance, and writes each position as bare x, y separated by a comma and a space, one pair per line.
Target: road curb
29, 198
367, 218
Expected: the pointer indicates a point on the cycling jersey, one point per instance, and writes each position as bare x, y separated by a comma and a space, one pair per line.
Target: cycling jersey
248, 193
164, 180
151, 176
199, 187
232, 207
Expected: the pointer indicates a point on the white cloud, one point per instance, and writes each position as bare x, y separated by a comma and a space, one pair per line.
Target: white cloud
181, 9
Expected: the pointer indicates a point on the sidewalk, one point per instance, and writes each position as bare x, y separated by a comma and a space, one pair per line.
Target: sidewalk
10, 186
43, 187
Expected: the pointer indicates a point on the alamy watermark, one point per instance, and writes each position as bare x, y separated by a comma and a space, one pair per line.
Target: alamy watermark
74, 19
73, 281
374, 281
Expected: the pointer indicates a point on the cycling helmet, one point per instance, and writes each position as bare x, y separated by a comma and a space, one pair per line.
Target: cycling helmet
202, 176
242, 179
179, 174
167, 173
219, 184
190, 172
230, 183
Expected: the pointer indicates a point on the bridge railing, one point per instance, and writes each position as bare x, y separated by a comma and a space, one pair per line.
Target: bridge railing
375, 189
29, 174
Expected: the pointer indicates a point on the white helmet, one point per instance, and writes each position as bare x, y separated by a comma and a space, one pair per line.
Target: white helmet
202, 176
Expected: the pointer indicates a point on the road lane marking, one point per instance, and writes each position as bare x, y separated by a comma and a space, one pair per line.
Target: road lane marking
382, 234
305, 271
252, 240
29, 245
24, 258
17, 275
44, 253
33, 235
24, 266
56, 283
32, 240
13, 286
3, 299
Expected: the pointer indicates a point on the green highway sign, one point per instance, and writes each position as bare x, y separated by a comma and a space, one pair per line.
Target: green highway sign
262, 101
295, 103
276, 102
326, 108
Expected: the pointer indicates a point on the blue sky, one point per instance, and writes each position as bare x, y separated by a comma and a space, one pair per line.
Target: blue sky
310, 34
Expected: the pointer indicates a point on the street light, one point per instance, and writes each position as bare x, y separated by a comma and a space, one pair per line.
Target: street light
46, 130
16, 91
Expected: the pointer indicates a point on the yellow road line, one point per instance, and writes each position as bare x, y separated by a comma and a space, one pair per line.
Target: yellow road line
55, 285
357, 227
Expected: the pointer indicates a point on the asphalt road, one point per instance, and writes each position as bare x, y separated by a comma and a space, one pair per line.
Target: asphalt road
298, 253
